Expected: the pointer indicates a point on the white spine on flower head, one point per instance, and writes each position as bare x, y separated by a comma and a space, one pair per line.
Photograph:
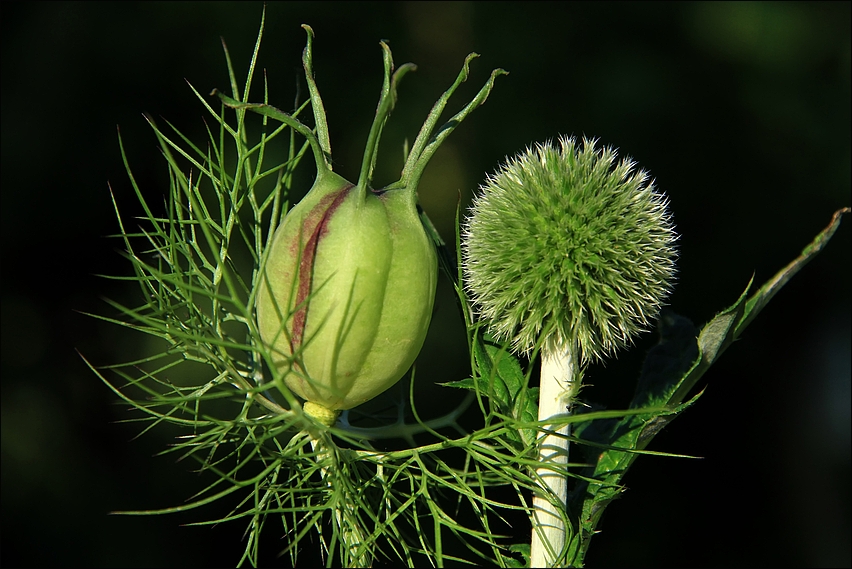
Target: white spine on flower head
566, 243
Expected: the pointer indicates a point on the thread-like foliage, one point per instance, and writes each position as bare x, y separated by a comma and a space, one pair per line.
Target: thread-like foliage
196, 259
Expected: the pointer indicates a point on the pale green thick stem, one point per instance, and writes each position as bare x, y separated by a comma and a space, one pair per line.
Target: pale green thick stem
559, 384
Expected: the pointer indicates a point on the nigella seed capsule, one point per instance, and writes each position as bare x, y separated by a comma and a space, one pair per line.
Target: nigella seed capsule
345, 291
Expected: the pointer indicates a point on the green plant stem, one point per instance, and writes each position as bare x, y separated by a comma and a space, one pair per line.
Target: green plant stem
351, 533
560, 379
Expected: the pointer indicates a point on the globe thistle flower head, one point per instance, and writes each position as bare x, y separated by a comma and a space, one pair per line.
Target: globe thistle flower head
567, 246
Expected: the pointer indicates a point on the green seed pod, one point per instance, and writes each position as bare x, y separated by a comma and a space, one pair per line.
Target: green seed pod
564, 247
352, 275
345, 294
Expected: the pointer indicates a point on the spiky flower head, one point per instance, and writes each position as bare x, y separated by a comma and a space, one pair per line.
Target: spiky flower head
566, 246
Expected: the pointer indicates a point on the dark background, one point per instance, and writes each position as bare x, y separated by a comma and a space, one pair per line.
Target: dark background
740, 111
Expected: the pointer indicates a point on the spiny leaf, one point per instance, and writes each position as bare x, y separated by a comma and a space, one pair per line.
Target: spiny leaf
501, 378
671, 370
762, 297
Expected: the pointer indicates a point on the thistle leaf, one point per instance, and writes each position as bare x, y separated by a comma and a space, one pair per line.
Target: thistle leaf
671, 370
